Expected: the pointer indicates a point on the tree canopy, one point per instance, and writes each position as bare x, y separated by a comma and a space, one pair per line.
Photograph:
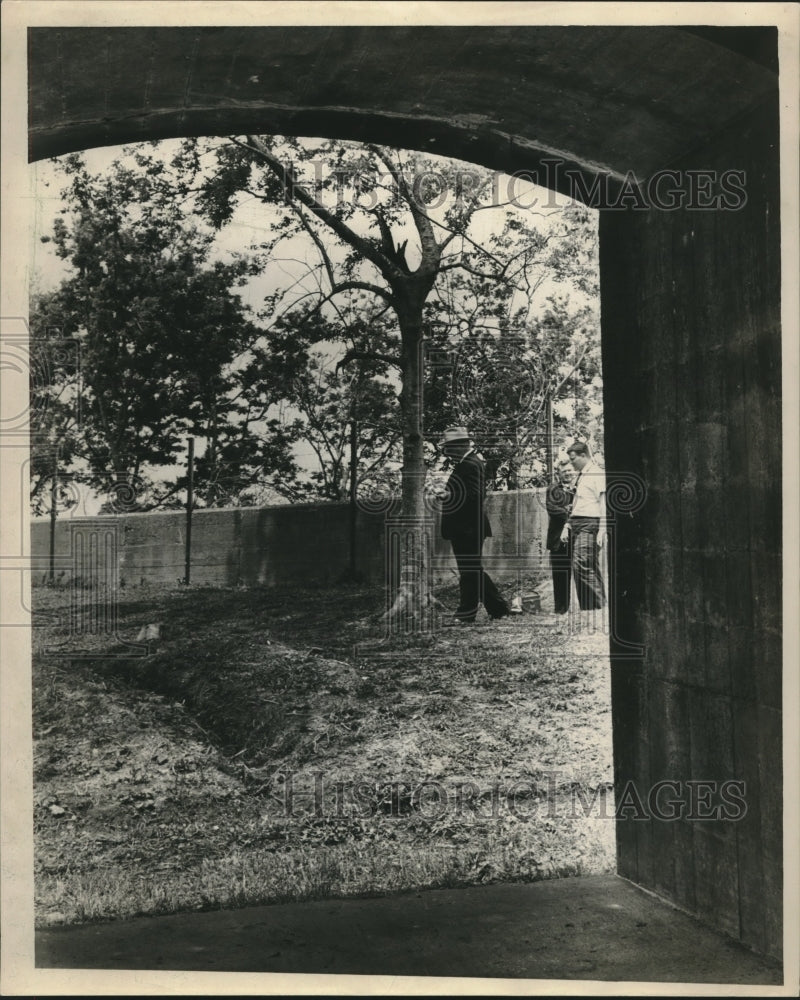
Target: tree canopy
161, 335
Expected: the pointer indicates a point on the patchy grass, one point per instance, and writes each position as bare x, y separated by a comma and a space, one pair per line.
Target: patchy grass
275, 746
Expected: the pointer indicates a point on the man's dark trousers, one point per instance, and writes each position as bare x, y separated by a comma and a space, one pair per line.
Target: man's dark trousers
558, 500
561, 570
586, 562
475, 585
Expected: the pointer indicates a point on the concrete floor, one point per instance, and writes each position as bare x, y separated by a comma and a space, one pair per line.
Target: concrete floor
593, 928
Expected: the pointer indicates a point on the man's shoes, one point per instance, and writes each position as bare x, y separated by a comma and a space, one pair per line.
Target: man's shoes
501, 614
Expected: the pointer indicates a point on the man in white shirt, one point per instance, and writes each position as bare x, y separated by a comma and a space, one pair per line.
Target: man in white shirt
585, 528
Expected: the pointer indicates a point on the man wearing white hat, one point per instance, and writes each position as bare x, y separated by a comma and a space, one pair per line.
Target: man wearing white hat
465, 525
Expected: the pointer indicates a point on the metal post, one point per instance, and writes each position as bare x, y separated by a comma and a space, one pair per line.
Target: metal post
549, 451
53, 515
353, 493
189, 499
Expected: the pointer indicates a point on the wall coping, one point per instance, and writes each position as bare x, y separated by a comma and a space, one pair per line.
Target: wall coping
199, 511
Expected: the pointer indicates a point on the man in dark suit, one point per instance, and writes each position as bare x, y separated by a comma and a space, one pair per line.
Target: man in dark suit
558, 501
465, 525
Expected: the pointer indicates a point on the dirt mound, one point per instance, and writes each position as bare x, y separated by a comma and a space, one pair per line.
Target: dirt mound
279, 746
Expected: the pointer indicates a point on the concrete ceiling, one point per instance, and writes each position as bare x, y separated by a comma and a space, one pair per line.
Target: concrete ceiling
606, 100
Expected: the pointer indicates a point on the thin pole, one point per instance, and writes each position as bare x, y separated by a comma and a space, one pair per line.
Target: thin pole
549, 439
189, 499
53, 515
353, 492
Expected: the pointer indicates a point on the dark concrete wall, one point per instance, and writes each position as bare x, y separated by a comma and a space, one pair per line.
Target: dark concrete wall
692, 368
270, 546
602, 99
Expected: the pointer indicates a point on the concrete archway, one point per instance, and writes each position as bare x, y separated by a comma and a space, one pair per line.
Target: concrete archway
691, 341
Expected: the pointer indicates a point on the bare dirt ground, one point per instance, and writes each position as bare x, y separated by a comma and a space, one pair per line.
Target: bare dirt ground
275, 745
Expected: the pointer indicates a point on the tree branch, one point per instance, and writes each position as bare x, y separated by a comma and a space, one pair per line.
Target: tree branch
379, 459
347, 286
353, 355
431, 251
326, 260
294, 189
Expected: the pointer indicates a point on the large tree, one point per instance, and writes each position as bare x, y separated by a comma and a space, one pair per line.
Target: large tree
161, 332
390, 225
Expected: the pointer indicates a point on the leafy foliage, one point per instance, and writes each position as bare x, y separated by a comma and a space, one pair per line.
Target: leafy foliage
161, 332
498, 383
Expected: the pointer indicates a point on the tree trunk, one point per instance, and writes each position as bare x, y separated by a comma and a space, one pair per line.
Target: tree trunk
512, 478
412, 607
353, 495
211, 460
